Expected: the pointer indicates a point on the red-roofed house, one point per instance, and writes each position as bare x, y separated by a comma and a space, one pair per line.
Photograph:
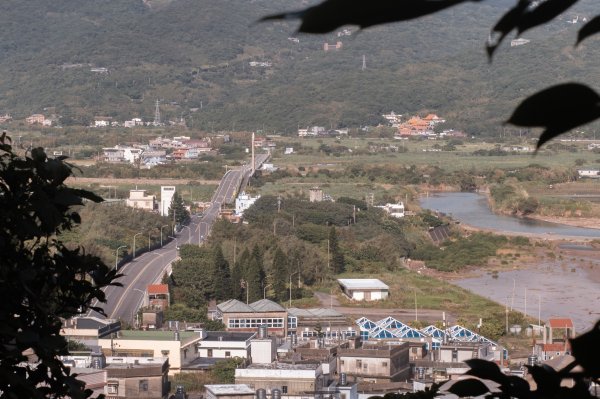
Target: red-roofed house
565, 324
158, 296
549, 351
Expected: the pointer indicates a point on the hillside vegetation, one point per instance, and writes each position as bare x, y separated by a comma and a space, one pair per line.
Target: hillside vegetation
195, 55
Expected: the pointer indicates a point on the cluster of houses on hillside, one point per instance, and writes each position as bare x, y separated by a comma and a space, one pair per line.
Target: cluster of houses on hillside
319, 131
158, 151
417, 126
288, 352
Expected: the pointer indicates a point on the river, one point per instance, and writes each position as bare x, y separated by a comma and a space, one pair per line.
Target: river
567, 286
472, 209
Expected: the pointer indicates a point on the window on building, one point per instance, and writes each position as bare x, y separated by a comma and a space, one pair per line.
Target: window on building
414, 350
359, 363
365, 366
112, 388
143, 385
227, 354
284, 389
209, 353
341, 362
384, 364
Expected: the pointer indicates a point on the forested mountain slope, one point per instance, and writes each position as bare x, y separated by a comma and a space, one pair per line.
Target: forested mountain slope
196, 54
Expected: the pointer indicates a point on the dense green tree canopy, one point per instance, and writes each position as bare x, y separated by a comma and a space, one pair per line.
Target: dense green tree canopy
41, 280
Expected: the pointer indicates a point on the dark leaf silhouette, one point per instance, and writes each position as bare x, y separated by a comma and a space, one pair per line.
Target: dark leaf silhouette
590, 28
546, 378
586, 350
544, 12
516, 387
332, 14
486, 370
506, 24
524, 16
468, 387
558, 109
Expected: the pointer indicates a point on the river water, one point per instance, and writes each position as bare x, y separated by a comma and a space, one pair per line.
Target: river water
567, 286
472, 209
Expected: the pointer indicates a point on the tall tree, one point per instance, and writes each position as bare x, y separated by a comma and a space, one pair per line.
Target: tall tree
177, 207
254, 275
337, 260
279, 274
236, 281
41, 280
221, 276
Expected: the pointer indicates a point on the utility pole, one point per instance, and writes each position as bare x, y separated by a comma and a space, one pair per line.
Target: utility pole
354, 213
416, 312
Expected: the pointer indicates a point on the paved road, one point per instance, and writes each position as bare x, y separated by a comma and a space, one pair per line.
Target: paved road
148, 268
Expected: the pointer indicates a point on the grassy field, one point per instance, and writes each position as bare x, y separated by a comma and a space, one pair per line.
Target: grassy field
431, 293
460, 159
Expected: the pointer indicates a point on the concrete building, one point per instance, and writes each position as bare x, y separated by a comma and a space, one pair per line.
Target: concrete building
132, 155
238, 316
394, 210
290, 379
225, 344
35, 119
375, 363
364, 289
158, 296
334, 324
228, 391
88, 330
113, 154
315, 194
140, 200
179, 347
135, 377
166, 196
243, 202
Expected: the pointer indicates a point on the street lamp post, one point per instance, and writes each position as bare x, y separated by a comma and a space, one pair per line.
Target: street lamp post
135, 235
265, 291
117, 257
291, 287
149, 241
162, 227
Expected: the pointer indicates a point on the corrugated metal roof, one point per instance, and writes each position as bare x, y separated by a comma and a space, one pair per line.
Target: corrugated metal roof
234, 306
363, 283
266, 305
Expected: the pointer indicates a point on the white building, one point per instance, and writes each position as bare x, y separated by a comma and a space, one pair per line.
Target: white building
243, 202
224, 344
229, 391
591, 173
364, 289
139, 199
132, 155
166, 196
394, 210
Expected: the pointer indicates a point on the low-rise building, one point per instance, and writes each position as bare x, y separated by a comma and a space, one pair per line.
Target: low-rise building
137, 377
238, 316
289, 379
243, 202
394, 210
35, 119
158, 296
179, 347
333, 324
88, 330
140, 200
225, 344
364, 289
375, 363
228, 391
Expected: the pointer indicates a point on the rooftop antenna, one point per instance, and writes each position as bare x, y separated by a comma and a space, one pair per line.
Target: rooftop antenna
364, 64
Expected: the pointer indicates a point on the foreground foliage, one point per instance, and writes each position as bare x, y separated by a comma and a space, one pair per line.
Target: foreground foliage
41, 280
